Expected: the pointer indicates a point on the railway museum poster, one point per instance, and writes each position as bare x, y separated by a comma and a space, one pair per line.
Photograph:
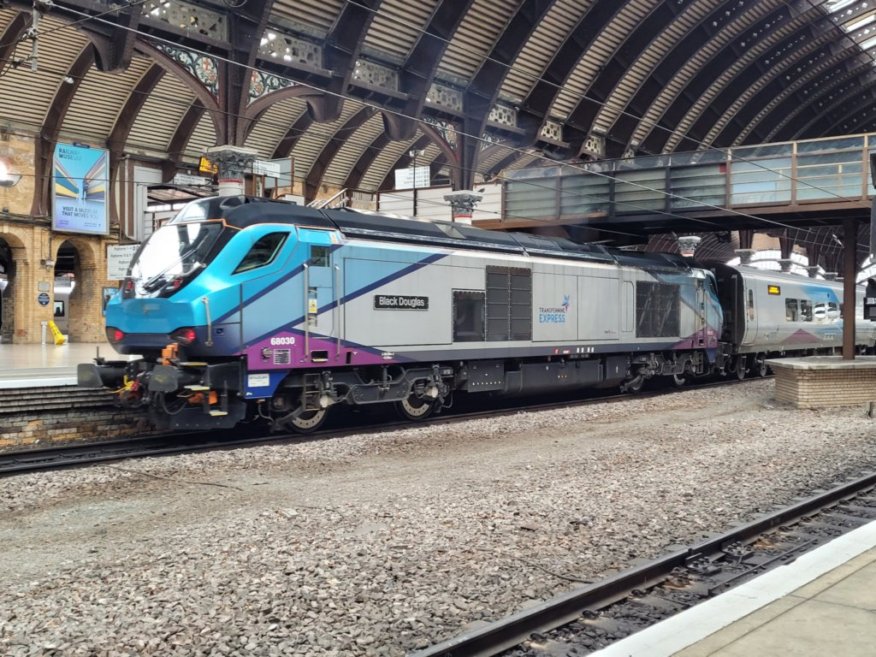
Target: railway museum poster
79, 184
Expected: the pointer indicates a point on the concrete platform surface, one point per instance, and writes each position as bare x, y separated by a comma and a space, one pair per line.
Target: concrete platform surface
824, 603
35, 365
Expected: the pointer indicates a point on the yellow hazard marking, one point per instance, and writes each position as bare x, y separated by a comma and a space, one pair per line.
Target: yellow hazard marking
56, 333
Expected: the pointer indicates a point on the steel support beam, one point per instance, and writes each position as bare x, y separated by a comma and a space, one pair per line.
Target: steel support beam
850, 272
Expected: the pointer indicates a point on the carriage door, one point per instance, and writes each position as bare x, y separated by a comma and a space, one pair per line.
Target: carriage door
700, 315
322, 324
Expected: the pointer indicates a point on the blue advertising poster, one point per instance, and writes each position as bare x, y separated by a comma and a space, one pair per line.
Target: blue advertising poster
79, 182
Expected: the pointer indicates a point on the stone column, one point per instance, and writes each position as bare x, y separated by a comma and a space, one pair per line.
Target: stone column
29, 274
86, 320
745, 255
462, 205
687, 245
233, 163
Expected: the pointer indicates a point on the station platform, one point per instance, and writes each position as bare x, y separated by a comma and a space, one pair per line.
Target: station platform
39, 365
824, 603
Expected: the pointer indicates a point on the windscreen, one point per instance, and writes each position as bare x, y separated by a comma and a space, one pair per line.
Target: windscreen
171, 255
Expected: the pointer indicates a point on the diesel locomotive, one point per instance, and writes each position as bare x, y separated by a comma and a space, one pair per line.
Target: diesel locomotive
245, 308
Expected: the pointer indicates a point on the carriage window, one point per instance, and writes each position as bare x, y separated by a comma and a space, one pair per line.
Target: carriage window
262, 252
833, 312
468, 316
791, 311
806, 310
320, 256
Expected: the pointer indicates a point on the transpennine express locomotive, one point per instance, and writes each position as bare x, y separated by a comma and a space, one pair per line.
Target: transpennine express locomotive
244, 308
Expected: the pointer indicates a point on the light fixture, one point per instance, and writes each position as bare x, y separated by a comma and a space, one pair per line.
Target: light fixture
48, 263
8, 179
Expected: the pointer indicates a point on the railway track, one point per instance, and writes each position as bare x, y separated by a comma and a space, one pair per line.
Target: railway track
590, 618
79, 454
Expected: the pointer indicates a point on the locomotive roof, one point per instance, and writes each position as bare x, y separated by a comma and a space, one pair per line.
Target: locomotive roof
241, 212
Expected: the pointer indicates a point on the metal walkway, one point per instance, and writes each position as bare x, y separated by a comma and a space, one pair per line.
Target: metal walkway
801, 183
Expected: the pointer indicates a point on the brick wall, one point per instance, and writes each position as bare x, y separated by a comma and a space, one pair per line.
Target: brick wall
821, 388
21, 431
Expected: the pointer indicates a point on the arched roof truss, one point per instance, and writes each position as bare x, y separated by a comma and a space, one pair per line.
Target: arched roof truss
342, 87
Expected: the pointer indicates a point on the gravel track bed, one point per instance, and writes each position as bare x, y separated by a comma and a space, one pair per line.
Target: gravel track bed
379, 544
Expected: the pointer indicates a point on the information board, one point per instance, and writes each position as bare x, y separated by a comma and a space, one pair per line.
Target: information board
118, 258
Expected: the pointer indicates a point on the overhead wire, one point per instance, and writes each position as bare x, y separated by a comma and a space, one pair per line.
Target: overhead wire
623, 112
86, 17
505, 65
473, 137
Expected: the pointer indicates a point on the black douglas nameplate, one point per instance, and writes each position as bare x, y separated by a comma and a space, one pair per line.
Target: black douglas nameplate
398, 302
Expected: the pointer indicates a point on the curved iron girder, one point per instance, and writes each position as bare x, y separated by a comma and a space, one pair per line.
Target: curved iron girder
720, 107
15, 29
483, 90
342, 47
612, 70
735, 120
541, 98
669, 66
51, 128
258, 107
245, 33
181, 137
722, 92
697, 86
776, 110
418, 72
502, 164
848, 118
368, 157
314, 176
201, 92
806, 114
293, 134
354, 177
114, 41
118, 136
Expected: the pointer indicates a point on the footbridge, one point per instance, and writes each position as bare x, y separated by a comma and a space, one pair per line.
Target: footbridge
819, 182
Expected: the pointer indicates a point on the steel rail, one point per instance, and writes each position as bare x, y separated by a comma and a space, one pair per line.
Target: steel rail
506, 633
81, 454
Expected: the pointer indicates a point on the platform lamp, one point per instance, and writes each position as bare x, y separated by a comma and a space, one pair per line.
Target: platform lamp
8, 179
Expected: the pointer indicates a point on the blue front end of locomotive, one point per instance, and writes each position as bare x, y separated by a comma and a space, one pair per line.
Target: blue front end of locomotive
196, 306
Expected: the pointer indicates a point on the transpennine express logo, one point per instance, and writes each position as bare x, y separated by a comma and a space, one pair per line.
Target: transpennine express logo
555, 315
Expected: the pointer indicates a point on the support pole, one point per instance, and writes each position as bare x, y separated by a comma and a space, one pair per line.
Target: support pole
850, 271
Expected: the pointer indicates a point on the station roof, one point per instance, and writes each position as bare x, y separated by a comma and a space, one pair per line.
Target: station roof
353, 89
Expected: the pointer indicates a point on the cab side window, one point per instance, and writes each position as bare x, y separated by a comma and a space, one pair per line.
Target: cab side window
791, 310
805, 310
262, 252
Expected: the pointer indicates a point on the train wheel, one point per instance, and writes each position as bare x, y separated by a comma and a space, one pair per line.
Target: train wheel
760, 367
633, 385
741, 367
308, 421
415, 408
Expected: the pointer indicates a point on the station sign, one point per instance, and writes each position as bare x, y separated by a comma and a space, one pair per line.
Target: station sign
412, 177
118, 259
